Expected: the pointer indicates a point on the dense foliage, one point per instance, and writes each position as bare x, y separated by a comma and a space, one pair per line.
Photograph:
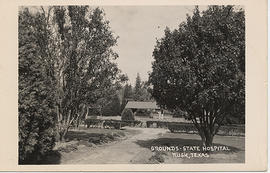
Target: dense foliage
199, 68
113, 108
37, 116
86, 64
141, 92
127, 115
127, 94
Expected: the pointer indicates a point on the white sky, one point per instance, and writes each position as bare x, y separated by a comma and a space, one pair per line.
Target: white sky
137, 28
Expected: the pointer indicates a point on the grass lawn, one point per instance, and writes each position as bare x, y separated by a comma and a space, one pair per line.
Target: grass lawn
136, 145
85, 138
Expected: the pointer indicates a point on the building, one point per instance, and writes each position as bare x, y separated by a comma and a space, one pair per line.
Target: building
147, 105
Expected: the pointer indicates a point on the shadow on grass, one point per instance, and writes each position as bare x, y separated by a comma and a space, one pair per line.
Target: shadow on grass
77, 135
85, 136
180, 143
51, 158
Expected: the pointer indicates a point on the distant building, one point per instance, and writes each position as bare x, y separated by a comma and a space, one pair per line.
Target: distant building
147, 105
142, 105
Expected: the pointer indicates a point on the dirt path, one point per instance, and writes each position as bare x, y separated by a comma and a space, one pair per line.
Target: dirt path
124, 151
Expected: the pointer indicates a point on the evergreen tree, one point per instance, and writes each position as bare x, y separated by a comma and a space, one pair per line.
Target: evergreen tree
137, 88
37, 116
127, 95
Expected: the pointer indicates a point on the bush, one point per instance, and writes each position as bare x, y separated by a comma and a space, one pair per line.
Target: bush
93, 123
68, 148
116, 124
150, 123
229, 130
182, 127
232, 130
162, 124
127, 115
131, 123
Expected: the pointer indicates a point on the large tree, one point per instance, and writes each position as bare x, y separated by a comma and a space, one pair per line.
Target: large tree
200, 68
76, 48
87, 69
37, 114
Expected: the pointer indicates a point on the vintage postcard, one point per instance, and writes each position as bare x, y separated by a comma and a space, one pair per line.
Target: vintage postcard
133, 85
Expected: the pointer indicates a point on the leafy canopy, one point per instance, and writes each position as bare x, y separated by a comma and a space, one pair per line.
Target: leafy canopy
200, 67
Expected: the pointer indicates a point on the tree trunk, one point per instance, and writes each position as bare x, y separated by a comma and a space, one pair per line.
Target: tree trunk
64, 123
62, 134
207, 139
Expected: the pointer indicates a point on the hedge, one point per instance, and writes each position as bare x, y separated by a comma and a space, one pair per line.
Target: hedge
229, 130
131, 123
116, 124
182, 127
127, 115
112, 124
232, 130
157, 124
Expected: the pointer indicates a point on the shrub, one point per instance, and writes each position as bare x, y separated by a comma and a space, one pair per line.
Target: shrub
232, 130
131, 123
93, 122
182, 127
127, 115
149, 123
229, 130
68, 148
162, 124
116, 124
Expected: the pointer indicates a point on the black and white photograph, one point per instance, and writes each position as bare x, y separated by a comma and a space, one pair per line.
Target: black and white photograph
131, 84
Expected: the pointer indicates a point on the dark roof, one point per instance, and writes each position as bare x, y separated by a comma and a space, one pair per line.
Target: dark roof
141, 105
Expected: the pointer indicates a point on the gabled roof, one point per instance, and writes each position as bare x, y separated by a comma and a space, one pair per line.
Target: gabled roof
141, 105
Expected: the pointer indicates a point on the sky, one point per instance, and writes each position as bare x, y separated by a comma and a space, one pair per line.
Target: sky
138, 27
